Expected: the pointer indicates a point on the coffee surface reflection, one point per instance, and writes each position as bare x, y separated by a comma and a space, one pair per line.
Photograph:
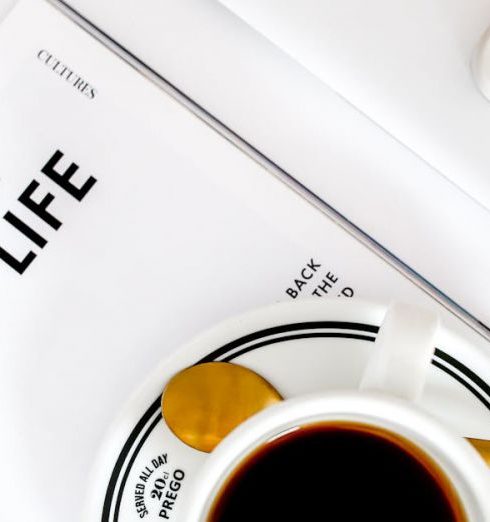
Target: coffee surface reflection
335, 471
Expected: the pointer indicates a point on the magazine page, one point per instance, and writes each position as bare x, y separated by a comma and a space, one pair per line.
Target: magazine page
128, 225
405, 66
313, 134
5, 6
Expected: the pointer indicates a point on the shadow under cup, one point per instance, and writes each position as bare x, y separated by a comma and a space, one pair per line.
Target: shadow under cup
345, 470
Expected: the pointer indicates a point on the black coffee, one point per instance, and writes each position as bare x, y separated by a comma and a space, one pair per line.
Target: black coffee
337, 472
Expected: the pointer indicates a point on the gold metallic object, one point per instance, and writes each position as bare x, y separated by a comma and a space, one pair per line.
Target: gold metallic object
483, 448
203, 403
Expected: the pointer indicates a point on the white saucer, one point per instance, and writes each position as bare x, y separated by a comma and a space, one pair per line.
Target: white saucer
300, 347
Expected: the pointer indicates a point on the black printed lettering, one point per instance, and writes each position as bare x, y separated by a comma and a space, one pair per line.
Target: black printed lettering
63, 179
40, 209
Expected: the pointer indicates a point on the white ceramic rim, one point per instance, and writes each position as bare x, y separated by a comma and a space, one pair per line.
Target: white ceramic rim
458, 460
105, 478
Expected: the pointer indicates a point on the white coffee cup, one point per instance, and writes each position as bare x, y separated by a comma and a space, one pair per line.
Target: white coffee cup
392, 383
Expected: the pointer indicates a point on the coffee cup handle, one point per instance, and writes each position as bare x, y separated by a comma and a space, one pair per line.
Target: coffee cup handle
402, 352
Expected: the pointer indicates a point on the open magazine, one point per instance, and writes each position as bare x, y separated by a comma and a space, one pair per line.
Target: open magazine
408, 69
128, 225
231, 61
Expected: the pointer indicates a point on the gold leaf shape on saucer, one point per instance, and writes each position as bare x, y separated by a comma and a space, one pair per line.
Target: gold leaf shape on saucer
203, 403
483, 448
